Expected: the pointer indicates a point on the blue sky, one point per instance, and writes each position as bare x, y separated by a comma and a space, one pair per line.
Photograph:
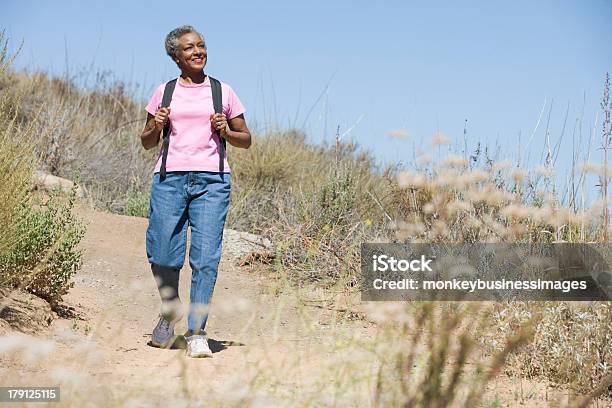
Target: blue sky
370, 67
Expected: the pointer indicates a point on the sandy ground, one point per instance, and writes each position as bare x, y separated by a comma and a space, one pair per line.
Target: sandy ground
269, 349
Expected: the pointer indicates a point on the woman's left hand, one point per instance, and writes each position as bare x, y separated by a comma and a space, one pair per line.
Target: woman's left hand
219, 122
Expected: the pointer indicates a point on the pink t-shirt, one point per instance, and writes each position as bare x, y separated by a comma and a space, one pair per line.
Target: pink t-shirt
193, 144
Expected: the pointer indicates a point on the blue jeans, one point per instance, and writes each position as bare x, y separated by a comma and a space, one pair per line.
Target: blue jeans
199, 199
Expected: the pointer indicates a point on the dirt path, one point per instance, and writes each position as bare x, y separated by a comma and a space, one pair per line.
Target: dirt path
268, 347
251, 328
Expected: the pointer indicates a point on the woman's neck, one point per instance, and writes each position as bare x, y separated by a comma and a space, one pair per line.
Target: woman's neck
193, 77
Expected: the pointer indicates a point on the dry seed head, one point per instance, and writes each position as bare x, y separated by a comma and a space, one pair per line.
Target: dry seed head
478, 195
479, 176
497, 228
136, 285
399, 134
589, 167
66, 375
545, 171
496, 198
456, 206
463, 181
9, 343
455, 161
518, 175
516, 211
418, 228
32, 348
429, 208
234, 305
466, 179
381, 312
444, 178
440, 229
404, 230
597, 169
540, 214
411, 180
89, 351
568, 216
487, 219
501, 165
596, 209
167, 292
515, 230
173, 306
440, 138
200, 310
424, 159
440, 200
473, 222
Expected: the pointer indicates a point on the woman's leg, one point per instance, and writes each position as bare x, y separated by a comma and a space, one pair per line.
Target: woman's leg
167, 234
210, 195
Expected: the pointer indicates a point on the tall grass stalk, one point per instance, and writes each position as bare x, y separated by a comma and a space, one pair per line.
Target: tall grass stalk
606, 106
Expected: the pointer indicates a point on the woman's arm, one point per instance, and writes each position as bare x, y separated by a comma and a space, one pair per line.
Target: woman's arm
153, 127
235, 131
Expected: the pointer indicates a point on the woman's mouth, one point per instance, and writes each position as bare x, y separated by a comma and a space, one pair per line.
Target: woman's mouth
198, 60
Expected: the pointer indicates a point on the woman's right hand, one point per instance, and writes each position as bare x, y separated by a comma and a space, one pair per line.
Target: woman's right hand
161, 118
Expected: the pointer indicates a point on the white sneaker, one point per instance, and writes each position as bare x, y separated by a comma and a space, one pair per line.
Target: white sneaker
197, 346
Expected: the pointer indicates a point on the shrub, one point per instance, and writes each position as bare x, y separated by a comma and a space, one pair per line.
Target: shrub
45, 256
137, 205
571, 345
38, 244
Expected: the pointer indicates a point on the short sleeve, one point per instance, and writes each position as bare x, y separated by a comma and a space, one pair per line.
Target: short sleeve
155, 100
233, 107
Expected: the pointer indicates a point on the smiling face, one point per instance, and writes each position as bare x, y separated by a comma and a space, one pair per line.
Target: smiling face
191, 55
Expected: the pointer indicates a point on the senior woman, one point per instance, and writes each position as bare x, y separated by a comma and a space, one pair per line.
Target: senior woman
191, 185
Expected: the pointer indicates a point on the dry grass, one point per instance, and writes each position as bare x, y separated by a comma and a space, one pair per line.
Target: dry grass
16, 163
572, 345
452, 204
86, 135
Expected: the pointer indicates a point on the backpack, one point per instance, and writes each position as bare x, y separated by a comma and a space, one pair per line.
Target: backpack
217, 104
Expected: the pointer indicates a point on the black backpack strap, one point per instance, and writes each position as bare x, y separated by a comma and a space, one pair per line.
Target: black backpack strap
166, 99
218, 105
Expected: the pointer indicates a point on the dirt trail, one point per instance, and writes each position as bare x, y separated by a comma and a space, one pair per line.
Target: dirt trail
261, 340
115, 294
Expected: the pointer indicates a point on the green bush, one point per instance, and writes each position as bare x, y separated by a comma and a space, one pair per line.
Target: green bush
45, 256
332, 204
137, 205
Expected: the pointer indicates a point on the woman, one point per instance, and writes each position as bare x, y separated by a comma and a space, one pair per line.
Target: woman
193, 187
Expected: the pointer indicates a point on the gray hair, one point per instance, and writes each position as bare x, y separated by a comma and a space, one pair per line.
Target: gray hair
173, 36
